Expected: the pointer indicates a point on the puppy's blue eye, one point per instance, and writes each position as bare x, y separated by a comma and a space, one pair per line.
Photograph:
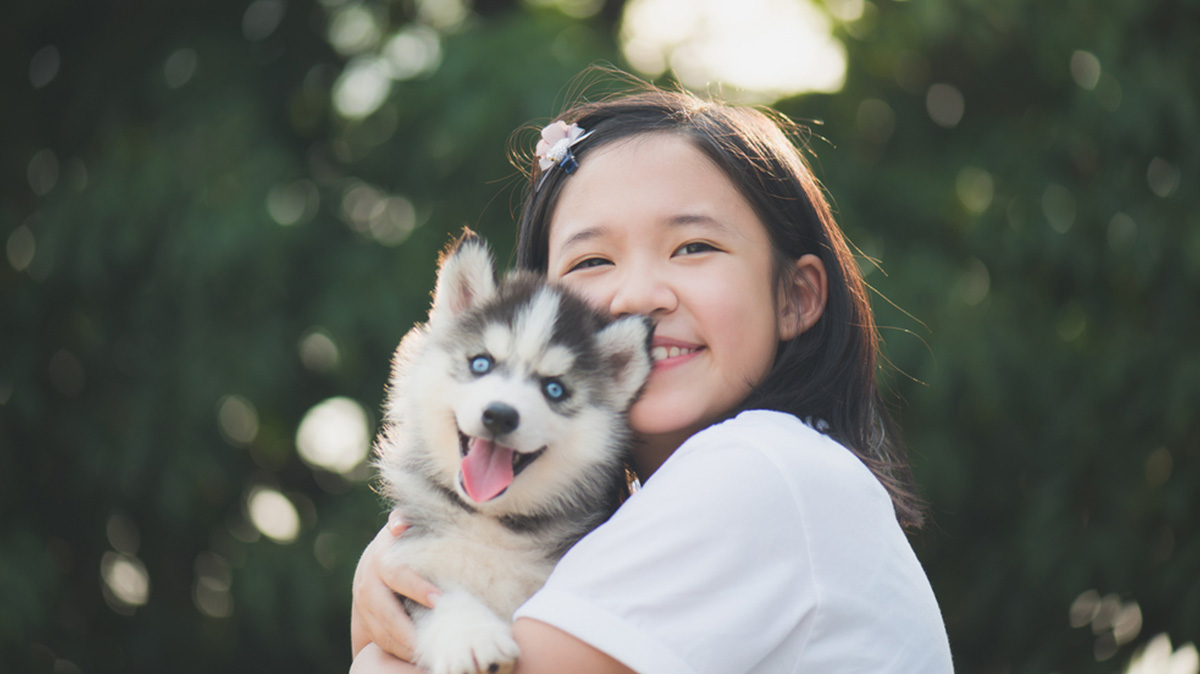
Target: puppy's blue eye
554, 390
481, 365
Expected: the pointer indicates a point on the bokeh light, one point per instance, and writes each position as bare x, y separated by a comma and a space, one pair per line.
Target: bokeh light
362, 87
974, 283
43, 172
293, 203
945, 104
180, 67
20, 248
1113, 622
709, 41
325, 549
335, 435
1058, 205
1158, 467
387, 218
1122, 231
1162, 177
447, 16
318, 351
876, 120
237, 420
354, 29
975, 189
126, 582
273, 514
44, 65
261, 19
1158, 657
210, 589
1085, 69
414, 51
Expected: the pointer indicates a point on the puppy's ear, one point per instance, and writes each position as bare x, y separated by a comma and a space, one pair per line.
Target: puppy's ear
466, 277
624, 347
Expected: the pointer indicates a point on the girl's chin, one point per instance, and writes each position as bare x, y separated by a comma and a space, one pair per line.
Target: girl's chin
648, 420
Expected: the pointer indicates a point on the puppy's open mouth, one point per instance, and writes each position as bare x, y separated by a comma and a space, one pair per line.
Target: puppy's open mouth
488, 468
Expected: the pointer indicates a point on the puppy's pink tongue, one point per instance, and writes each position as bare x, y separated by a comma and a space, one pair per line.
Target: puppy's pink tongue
487, 470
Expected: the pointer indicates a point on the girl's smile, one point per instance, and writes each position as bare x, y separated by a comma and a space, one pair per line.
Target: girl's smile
650, 225
668, 352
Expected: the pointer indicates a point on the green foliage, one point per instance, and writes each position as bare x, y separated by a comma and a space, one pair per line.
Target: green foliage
1042, 259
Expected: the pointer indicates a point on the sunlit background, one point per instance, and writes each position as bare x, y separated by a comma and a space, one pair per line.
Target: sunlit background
219, 219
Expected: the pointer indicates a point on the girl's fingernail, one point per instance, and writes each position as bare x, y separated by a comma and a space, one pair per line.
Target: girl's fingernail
432, 598
396, 524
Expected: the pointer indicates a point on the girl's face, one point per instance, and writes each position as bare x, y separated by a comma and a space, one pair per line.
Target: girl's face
650, 225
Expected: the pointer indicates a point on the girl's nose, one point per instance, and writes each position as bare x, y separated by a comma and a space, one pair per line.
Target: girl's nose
642, 292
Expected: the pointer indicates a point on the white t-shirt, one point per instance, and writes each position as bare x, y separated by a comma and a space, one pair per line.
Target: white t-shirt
759, 546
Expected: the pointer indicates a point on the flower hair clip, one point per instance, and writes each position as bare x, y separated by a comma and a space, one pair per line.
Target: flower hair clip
554, 149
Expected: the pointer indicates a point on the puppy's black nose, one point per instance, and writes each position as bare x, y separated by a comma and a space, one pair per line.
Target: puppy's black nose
500, 419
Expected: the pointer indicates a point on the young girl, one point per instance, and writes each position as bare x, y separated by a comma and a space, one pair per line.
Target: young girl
767, 534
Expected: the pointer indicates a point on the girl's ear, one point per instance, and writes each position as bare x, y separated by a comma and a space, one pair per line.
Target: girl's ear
802, 302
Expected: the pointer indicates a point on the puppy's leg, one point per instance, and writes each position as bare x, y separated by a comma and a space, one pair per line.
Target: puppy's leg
462, 636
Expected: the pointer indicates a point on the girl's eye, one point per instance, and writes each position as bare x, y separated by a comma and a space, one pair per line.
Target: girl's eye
695, 247
588, 264
481, 364
554, 389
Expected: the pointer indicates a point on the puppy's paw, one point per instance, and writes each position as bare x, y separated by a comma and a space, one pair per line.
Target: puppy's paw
461, 636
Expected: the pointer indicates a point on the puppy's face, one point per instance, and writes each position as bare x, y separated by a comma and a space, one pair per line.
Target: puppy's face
518, 392
540, 392
519, 388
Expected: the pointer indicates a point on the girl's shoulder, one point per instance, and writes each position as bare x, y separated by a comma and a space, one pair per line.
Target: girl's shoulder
793, 449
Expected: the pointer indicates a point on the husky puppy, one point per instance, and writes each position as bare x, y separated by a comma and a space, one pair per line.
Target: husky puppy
503, 442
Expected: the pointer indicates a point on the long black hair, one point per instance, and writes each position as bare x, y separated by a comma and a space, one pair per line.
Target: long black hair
827, 373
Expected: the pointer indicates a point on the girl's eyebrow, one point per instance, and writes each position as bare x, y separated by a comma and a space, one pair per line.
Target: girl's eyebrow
583, 235
699, 219
681, 220
714, 227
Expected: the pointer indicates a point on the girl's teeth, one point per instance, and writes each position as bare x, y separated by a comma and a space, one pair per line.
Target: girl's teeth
663, 353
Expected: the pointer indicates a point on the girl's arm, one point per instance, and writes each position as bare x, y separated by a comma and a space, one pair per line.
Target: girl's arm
548, 650
372, 660
544, 650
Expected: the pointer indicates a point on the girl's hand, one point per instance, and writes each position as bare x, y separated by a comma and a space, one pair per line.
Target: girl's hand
372, 660
377, 615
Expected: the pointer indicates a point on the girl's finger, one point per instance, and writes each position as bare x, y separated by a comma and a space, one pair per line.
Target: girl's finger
392, 630
408, 583
379, 617
396, 524
399, 577
377, 614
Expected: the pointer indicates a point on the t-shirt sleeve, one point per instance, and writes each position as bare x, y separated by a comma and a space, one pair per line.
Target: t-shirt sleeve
694, 563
